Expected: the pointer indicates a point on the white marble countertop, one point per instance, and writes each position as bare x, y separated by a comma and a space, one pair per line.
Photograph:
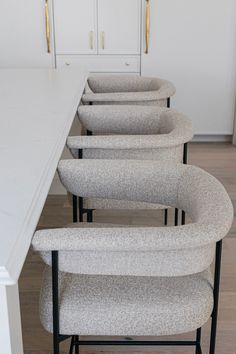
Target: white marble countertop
37, 108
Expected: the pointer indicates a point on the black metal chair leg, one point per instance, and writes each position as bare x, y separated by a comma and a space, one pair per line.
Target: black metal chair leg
55, 303
198, 340
71, 345
81, 210
183, 217
176, 216
216, 296
80, 156
90, 215
166, 217
168, 102
76, 344
185, 154
199, 350
185, 161
75, 208
56, 347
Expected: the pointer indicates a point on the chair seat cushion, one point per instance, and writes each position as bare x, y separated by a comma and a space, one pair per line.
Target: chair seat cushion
127, 305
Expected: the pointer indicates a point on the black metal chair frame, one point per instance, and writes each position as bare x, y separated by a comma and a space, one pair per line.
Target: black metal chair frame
75, 342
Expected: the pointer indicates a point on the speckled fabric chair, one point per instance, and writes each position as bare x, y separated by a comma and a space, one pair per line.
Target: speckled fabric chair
129, 280
127, 89
125, 132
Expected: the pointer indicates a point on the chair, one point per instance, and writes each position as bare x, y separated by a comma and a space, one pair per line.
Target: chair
127, 89
128, 132
120, 280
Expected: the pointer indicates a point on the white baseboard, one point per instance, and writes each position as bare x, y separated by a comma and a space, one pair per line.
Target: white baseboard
212, 138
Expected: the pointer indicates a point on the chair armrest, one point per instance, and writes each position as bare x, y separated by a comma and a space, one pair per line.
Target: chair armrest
123, 238
125, 142
176, 127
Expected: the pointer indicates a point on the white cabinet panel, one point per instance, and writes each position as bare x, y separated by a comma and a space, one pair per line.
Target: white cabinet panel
119, 26
102, 63
23, 34
75, 26
192, 43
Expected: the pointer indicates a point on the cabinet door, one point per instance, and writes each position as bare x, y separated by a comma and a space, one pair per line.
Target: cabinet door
23, 34
192, 43
119, 26
75, 26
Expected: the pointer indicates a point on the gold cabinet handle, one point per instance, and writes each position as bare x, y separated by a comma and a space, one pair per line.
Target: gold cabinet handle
91, 40
103, 39
147, 34
47, 24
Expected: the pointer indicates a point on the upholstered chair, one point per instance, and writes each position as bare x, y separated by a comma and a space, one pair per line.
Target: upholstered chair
127, 89
113, 280
128, 132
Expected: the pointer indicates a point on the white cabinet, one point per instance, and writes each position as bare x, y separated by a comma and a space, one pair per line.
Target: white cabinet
192, 43
97, 26
23, 33
93, 29
119, 26
75, 26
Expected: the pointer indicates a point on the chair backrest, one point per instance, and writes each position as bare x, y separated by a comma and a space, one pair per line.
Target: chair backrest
163, 251
146, 120
122, 83
118, 119
119, 132
146, 181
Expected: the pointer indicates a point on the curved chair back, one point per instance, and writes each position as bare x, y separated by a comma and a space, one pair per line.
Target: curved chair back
125, 132
143, 251
127, 89
123, 83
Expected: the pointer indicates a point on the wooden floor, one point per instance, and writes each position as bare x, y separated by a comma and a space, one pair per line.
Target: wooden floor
218, 159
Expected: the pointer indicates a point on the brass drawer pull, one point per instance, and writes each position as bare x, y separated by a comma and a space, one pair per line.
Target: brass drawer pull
47, 23
147, 34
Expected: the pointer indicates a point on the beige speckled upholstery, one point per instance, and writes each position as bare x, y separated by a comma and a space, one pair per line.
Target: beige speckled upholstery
128, 128
119, 280
127, 306
127, 89
125, 132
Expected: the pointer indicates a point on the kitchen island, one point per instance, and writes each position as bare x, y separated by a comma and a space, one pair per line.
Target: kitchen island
37, 109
